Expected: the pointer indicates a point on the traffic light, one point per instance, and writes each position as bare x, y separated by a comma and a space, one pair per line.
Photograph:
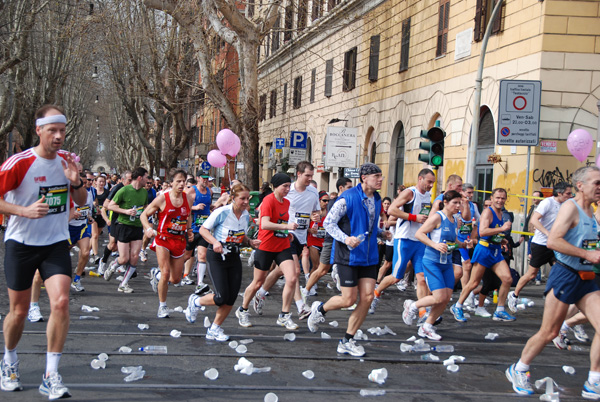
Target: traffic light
434, 146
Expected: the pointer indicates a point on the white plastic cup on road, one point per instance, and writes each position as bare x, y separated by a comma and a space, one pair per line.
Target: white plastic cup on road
143, 326
378, 375
325, 335
98, 364
206, 322
233, 344
290, 337
175, 333
241, 349
103, 357
271, 397
308, 374
568, 369
124, 349
453, 368
211, 374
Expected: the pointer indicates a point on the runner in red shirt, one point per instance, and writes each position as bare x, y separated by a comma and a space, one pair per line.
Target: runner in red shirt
314, 241
173, 209
274, 246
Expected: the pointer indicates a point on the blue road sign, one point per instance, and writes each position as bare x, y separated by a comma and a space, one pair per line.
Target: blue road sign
279, 143
298, 139
205, 166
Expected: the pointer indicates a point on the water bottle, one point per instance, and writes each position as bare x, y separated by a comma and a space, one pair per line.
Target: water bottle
430, 357
154, 349
421, 348
132, 218
443, 348
372, 392
495, 296
361, 237
443, 257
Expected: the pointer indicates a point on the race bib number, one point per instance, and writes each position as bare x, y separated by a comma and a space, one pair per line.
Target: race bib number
425, 209
302, 220
466, 228
497, 238
235, 236
590, 244
200, 219
56, 198
281, 233
451, 246
177, 227
84, 212
321, 232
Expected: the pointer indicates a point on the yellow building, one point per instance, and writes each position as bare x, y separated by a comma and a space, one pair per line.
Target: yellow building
393, 68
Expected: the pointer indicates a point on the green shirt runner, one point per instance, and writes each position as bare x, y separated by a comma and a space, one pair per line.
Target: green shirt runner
127, 198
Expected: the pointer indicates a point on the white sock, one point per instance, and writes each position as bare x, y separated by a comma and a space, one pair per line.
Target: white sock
130, 270
52, 360
10, 356
197, 302
299, 305
413, 308
499, 309
162, 304
158, 275
201, 272
427, 326
261, 292
522, 366
459, 305
594, 377
214, 327
565, 326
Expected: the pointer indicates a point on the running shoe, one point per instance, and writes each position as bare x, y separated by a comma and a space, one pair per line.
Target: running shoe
374, 305
458, 313
77, 286
202, 289
502, 316
101, 267
429, 334
512, 302
315, 317
153, 279
350, 348
122, 269
163, 312
110, 270
304, 313
482, 312
591, 391
519, 380
191, 312
11, 380
216, 335
143, 256
336, 276
243, 317
258, 303
579, 333
35, 315
401, 285
53, 387
408, 315
561, 341
313, 291
538, 283
251, 259
470, 301
304, 293
187, 281
96, 259
285, 320
125, 289
114, 254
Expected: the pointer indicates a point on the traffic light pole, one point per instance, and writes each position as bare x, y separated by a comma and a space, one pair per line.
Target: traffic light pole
471, 162
434, 188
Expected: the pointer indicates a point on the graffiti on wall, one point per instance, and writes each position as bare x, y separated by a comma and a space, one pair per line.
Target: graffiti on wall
551, 177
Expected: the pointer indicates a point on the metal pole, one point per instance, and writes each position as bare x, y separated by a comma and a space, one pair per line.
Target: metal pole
524, 260
477, 98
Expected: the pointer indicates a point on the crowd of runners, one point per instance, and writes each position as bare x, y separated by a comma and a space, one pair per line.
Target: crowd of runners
367, 244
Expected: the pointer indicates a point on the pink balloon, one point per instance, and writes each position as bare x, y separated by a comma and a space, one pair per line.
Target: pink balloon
580, 144
598, 160
216, 158
228, 142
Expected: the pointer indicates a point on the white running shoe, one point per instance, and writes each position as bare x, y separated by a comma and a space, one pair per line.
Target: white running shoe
579, 333
429, 334
163, 312
11, 380
77, 286
191, 312
243, 317
374, 305
125, 288
350, 348
512, 301
53, 387
315, 317
408, 315
286, 321
401, 285
35, 315
258, 303
217, 335
143, 256
110, 270
153, 279
482, 312
187, 281
101, 267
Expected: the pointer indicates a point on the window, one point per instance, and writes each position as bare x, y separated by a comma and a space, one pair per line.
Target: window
250, 8
483, 14
328, 77
273, 104
313, 79
349, 75
284, 106
262, 102
297, 95
442, 35
289, 23
302, 14
405, 44
374, 58
316, 9
373, 152
275, 35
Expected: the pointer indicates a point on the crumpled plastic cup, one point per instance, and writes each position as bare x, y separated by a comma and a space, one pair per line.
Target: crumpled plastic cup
211, 374
308, 374
405, 347
98, 364
242, 362
241, 349
568, 369
290, 337
124, 349
271, 397
206, 322
175, 333
453, 368
143, 326
491, 336
325, 335
378, 375
89, 309
103, 357
334, 324
233, 344
246, 341
178, 309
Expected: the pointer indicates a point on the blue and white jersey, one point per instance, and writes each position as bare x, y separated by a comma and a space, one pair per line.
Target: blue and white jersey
419, 204
225, 226
446, 232
585, 236
466, 227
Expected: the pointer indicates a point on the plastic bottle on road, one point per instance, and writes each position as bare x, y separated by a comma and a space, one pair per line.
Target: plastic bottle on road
421, 347
443, 348
372, 392
162, 349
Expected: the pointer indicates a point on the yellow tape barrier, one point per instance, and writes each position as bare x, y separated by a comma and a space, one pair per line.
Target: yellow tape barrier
515, 195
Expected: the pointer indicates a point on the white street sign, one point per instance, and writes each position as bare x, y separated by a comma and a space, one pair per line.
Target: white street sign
297, 155
341, 147
519, 112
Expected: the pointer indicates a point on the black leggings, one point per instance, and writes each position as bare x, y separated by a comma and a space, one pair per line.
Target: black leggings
226, 276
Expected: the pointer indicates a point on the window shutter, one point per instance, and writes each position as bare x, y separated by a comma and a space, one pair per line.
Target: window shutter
405, 45
374, 58
328, 77
479, 20
498, 23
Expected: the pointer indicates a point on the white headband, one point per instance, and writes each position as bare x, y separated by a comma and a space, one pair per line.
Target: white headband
57, 118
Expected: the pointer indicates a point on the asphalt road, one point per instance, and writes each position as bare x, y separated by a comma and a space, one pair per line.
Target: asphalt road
179, 374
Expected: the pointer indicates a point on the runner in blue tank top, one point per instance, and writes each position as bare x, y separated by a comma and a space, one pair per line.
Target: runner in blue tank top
573, 238
488, 255
438, 234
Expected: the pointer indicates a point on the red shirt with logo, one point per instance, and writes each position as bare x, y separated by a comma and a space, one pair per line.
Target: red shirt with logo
274, 240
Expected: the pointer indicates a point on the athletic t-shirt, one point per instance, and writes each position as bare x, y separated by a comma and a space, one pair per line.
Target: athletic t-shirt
172, 221
127, 198
84, 210
420, 204
113, 191
278, 240
548, 208
302, 204
225, 226
201, 215
24, 178
319, 238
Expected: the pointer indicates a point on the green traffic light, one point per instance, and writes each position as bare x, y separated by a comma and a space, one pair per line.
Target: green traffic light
436, 160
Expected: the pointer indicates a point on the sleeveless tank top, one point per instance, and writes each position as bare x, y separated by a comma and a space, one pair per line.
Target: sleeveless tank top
445, 233
584, 235
201, 215
172, 221
496, 239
